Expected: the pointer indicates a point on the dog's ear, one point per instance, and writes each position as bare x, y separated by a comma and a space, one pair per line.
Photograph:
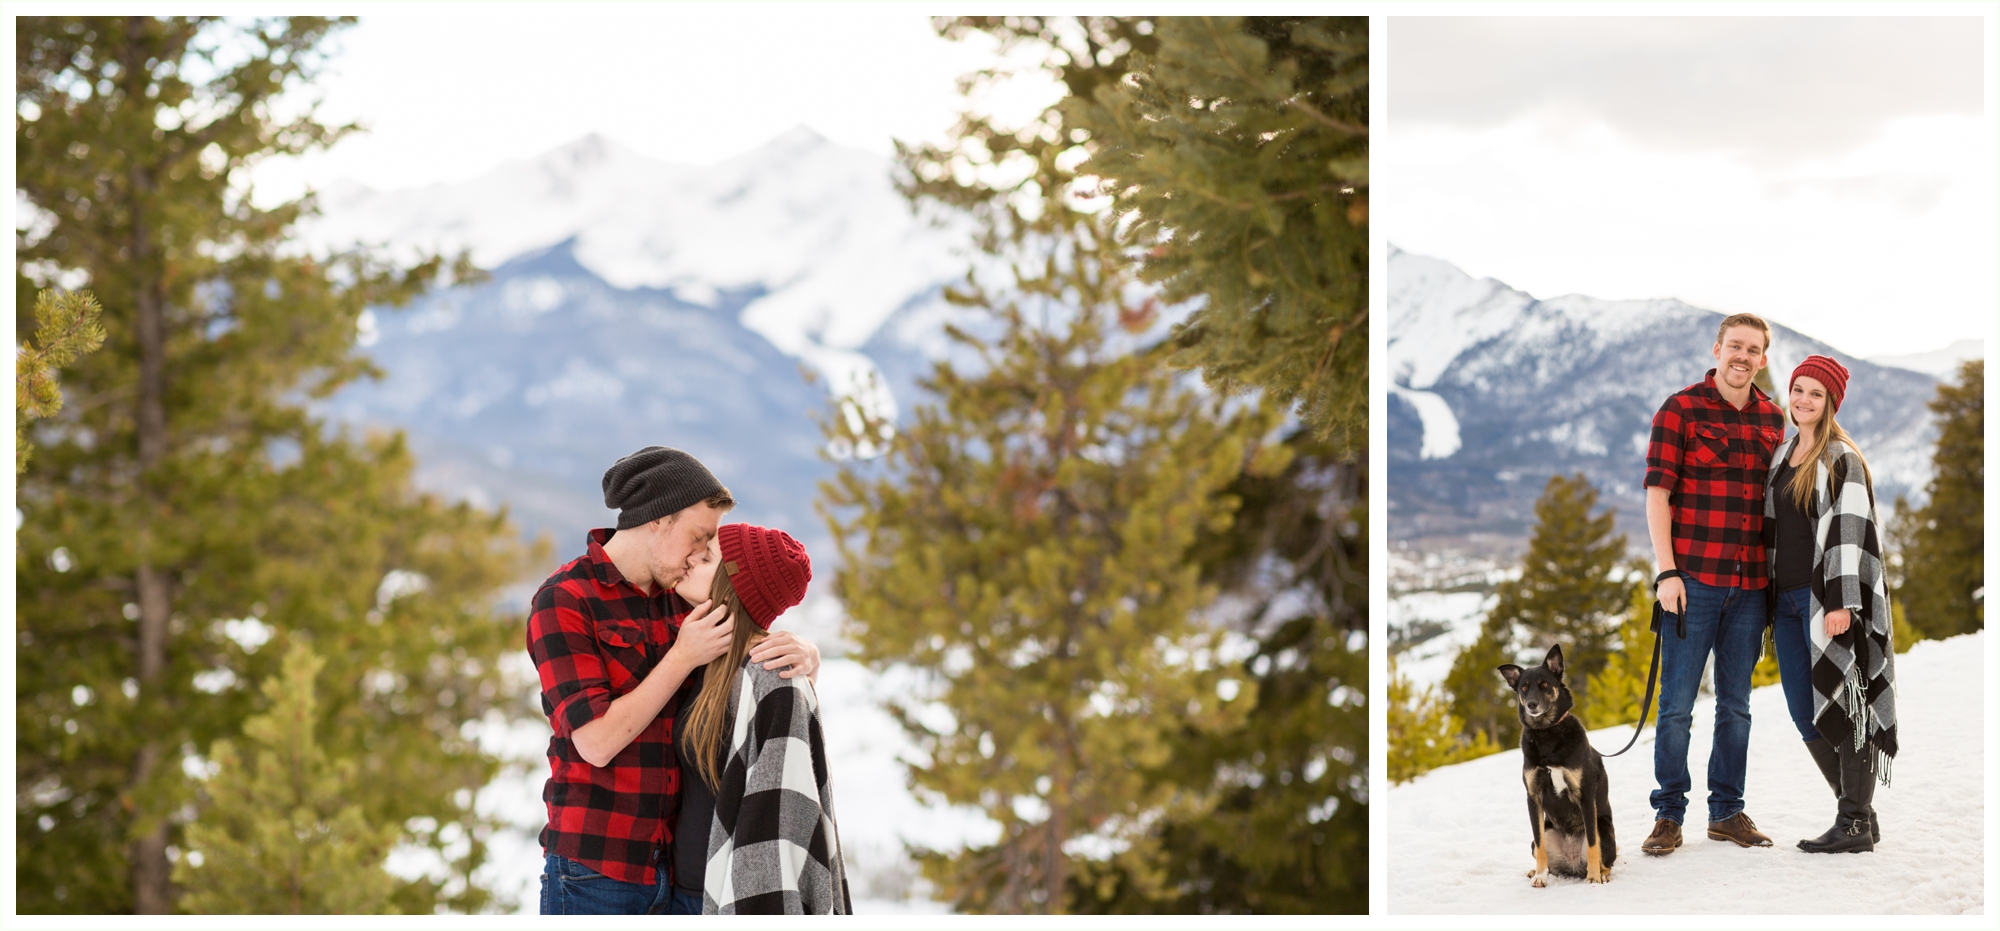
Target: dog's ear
1555, 660
1512, 674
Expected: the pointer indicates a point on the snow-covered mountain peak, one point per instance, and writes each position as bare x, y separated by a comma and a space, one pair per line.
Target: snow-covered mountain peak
1493, 389
595, 153
814, 230
1940, 363
798, 141
1437, 311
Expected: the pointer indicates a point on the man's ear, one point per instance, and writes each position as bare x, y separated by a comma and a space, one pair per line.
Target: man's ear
1512, 674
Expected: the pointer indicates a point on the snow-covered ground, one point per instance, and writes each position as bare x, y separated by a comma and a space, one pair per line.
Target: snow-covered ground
1428, 662
1434, 589
876, 811
1459, 838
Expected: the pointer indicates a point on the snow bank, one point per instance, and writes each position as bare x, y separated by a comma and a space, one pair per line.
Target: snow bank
1458, 835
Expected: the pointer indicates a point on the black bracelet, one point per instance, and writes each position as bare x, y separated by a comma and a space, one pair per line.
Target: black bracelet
1662, 577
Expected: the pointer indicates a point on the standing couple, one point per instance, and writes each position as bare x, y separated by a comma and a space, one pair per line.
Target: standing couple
687, 773
1747, 531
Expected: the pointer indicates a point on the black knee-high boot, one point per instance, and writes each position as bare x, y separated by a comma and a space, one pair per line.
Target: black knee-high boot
1828, 761
1850, 831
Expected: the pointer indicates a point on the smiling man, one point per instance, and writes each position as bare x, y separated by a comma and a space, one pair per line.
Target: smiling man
1705, 465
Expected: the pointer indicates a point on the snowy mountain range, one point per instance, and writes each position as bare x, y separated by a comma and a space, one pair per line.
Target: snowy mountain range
1495, 390
1942, 363
634, 302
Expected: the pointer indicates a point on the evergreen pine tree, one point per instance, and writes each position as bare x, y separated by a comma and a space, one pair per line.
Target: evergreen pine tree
1899, 526
1569, 592
66, 326
1024, 543
1239, 147
1282, 315
185, 507
1424, 734
1476, 694
1946, 561
1615, 691
279, 835
1278, 816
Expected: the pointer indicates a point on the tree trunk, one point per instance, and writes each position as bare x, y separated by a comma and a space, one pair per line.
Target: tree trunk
152, 888
152, 891
1055, 866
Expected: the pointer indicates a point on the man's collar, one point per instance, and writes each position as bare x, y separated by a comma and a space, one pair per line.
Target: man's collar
600, 561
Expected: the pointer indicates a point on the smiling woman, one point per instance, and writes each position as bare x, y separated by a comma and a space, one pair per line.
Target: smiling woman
1739, 163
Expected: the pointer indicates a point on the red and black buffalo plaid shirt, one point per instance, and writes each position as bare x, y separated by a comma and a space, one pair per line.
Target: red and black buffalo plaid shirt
1712, 458
594, 637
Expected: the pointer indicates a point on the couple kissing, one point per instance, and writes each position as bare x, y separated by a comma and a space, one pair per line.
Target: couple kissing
687, 769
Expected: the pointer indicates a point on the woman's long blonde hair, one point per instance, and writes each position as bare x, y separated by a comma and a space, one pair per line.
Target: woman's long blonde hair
707, 727
1827, 431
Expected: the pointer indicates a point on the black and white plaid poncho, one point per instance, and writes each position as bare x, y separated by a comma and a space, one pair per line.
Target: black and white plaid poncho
772, 848
1853, 674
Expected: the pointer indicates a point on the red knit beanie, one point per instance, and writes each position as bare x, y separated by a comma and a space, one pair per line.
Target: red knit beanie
768, 568
1829, 373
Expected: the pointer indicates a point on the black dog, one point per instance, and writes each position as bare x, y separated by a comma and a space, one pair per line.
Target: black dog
1569, 796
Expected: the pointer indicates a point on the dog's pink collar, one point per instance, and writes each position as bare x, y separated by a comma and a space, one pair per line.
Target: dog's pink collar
1555, 722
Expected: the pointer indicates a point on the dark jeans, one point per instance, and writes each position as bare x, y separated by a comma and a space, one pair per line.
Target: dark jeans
684, 903
1790, 633
570, 888
1728, 622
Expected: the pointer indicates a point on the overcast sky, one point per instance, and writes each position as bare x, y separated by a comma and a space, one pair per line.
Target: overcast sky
450, 91
1833, 174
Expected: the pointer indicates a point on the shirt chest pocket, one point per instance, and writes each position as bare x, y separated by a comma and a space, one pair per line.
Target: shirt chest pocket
1708, 446
626, 654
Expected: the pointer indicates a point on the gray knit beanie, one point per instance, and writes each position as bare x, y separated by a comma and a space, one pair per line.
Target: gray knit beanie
655, 482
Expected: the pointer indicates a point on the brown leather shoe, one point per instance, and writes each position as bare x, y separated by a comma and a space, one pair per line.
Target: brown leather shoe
1665, 837
1740, 829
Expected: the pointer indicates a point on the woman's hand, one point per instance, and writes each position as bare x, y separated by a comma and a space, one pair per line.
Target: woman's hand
784, 648
1836, 622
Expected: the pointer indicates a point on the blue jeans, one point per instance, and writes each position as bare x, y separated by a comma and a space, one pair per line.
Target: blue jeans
1728, 622
683, 903
1794, 642
570, 888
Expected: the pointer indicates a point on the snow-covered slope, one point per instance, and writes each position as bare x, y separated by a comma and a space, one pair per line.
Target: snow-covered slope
1495, 390
635, 302
1938, 363
1459, 839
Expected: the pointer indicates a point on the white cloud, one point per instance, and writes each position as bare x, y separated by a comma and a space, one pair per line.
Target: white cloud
448, 92
1769, 89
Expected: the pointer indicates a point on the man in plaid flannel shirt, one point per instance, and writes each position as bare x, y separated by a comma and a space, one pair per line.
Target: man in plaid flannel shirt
612, 644
1705, 465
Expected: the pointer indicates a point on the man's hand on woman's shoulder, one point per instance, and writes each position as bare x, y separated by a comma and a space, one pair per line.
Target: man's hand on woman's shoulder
786, 649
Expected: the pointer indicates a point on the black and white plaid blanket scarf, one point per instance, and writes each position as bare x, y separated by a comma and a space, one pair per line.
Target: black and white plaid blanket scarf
772, 848
1853, 674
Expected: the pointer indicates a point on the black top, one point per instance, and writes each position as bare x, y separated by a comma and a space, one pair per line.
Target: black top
697, 805
1795, 533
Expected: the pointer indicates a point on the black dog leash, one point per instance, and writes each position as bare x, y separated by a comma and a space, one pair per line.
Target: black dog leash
1653, 674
